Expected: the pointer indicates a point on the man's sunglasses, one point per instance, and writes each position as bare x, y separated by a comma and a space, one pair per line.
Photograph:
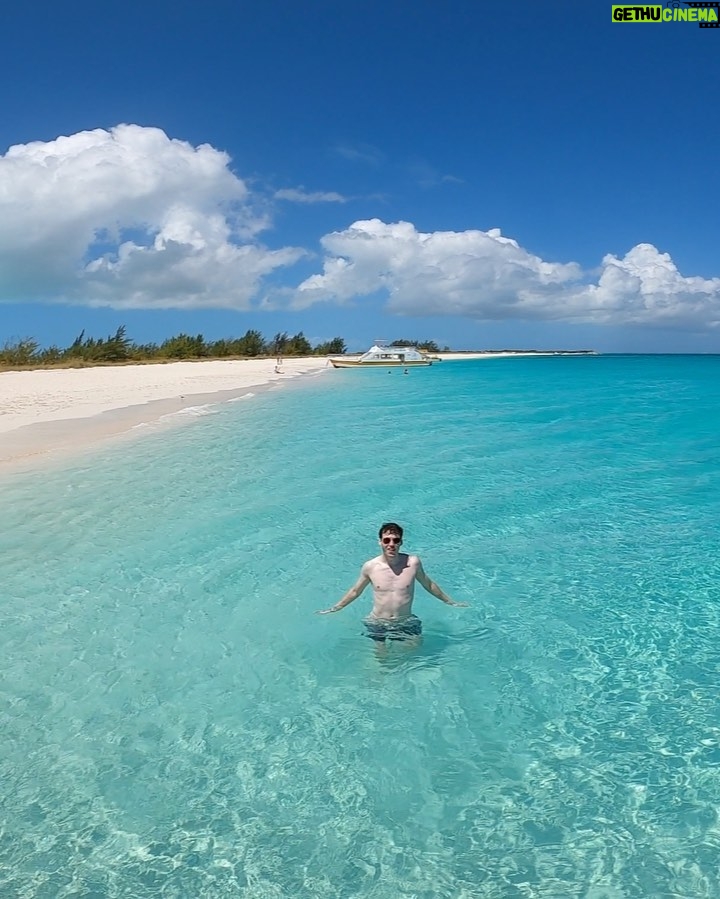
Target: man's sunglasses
387, 540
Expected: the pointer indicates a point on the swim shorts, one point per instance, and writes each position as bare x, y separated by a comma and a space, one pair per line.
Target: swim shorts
382, 629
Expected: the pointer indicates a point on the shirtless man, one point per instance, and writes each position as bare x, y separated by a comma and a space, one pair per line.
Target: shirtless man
392, 575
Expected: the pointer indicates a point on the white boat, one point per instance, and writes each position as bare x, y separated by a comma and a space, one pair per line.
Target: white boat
381, 356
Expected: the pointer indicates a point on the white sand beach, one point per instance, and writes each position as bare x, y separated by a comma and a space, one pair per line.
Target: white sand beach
47, 411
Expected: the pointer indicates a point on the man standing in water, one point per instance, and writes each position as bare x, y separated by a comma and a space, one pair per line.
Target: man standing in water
392, 575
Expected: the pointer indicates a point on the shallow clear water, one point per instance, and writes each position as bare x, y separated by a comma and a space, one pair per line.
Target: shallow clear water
175, 721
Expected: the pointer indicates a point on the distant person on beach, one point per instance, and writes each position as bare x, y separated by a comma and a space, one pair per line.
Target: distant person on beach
392, 575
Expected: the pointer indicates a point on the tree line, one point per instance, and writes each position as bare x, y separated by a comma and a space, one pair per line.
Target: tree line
119, 348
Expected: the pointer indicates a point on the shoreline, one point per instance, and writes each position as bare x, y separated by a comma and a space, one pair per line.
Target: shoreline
46, 414
50, 413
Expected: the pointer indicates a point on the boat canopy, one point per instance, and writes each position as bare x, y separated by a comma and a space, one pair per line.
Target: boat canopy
380, 353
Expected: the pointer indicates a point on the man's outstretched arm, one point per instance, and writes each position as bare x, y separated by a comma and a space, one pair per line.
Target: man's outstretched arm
434, 588
350, 596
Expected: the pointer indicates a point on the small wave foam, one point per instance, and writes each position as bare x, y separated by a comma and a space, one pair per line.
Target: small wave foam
187, 412
192, 411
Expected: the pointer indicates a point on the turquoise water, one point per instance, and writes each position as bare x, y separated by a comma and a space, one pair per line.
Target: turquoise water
175, 721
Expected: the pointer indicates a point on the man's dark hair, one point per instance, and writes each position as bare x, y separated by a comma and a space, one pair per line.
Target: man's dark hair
390, 528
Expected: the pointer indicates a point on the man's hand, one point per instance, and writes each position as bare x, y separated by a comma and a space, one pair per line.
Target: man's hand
463, 605
326, 611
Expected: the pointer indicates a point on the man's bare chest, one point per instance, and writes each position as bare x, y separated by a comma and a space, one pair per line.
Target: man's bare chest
385, 578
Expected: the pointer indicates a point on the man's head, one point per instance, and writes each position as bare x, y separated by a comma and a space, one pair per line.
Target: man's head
390, 537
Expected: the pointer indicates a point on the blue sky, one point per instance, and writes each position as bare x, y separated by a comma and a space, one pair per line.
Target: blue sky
486, 175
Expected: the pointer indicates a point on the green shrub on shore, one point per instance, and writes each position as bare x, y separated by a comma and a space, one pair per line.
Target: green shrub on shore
427, 346
118, 348
24, 352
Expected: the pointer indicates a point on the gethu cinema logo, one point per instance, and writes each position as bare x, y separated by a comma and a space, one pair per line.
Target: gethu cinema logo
705, 14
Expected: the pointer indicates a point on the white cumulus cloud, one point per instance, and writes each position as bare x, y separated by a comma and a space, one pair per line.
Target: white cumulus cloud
129, 218
486, 276
475, 273
645, 287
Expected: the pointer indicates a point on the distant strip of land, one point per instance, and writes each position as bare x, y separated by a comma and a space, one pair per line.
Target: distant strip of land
489, 354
